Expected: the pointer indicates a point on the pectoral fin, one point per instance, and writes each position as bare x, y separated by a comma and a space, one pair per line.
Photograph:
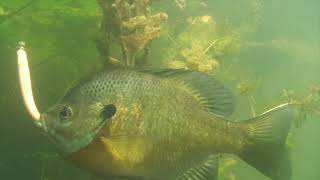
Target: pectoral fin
127, 150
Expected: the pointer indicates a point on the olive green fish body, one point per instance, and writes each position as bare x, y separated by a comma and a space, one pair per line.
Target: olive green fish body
162, 118
161, 109
156, 126
168, 121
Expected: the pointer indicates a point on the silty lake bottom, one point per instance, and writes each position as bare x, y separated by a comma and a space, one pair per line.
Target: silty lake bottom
266, 52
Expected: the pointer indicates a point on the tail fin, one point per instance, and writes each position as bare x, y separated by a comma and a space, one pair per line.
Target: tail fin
267, 151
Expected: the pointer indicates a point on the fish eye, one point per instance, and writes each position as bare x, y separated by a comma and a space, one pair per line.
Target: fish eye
65, 113
108, 111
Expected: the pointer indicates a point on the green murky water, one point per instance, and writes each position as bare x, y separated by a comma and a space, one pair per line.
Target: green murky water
267, 51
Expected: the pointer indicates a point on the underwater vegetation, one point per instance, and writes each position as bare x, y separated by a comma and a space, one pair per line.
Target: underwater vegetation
308, 102
83, 37
136, 26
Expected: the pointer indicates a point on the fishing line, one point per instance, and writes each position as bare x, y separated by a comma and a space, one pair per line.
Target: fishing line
18, 11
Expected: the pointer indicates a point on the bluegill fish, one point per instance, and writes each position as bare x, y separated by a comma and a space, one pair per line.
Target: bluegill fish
161, 125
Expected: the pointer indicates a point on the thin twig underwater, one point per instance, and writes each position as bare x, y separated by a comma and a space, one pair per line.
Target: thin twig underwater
247, 88
44, 158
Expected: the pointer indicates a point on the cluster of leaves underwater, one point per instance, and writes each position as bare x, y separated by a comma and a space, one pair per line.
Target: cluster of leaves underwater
62, 33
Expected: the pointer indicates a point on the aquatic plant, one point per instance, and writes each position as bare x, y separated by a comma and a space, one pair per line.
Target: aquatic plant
225, 168
203, 45
308, 103
195, 46
136, 26
181, 3
196, 58
256, 6
246, 88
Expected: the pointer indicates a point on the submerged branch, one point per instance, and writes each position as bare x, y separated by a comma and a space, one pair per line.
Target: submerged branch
103, 40
133, 25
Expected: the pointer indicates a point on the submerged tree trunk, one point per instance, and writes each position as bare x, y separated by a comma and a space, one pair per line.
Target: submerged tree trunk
103, 40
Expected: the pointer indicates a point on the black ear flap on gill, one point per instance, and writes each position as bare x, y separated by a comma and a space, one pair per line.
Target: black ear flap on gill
211, 93
108, 111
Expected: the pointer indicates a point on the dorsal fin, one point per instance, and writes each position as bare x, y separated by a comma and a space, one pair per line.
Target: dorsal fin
211, 93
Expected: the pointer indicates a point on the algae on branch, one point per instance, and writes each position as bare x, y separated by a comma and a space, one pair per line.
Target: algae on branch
200, 46
308, 103
138, 27
197, 58
191, 47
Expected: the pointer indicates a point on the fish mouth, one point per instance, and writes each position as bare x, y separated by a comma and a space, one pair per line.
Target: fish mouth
70, 144
41, 123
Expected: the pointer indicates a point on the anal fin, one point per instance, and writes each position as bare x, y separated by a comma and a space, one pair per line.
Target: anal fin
205, 170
